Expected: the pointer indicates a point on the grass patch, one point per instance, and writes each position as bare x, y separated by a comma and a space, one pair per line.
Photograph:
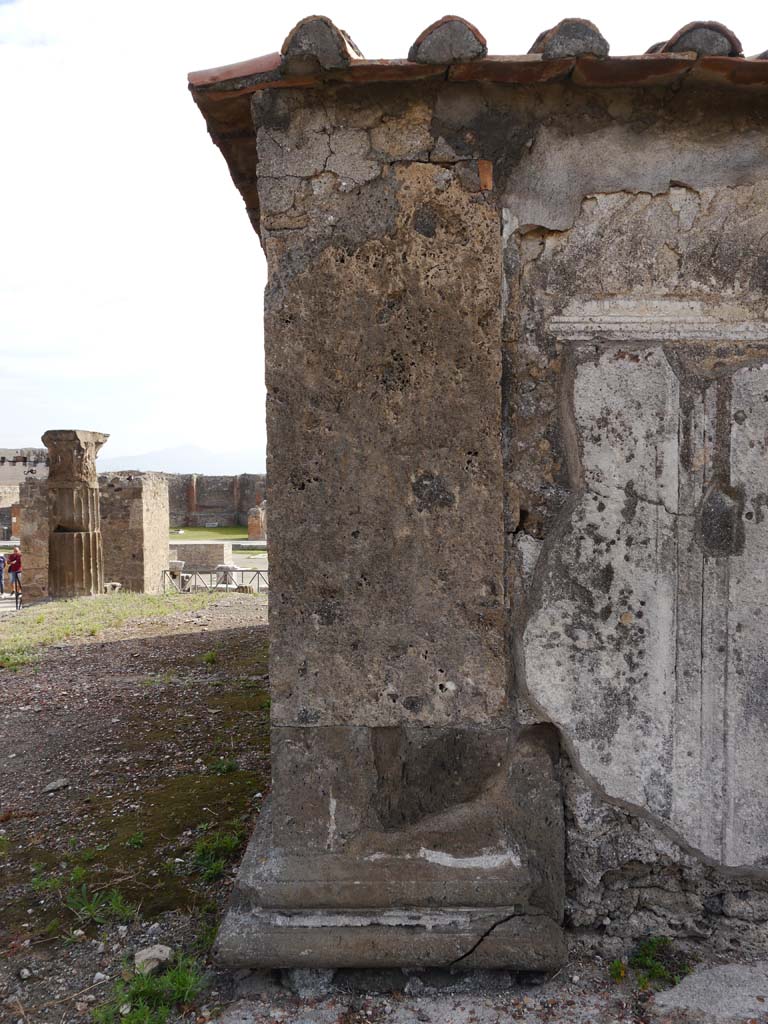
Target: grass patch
42, 883
617, 970
180, 805
150, 999
213, 533
99, 907
658, 964
211, 853
22, 636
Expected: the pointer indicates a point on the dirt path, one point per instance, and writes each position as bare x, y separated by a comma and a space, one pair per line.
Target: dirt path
153, 739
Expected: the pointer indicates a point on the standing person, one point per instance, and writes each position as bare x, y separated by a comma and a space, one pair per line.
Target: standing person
2, 574
14, 568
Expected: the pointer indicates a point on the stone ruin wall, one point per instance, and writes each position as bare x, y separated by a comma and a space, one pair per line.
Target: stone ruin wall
194, 499
257, 522
203, 556
198, 499
33, 539
16, 466
134, 529
570, 285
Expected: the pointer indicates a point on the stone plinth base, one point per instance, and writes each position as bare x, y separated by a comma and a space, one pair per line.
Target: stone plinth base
335, 910
464, 939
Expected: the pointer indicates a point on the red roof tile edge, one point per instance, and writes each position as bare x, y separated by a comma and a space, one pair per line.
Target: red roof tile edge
264, 72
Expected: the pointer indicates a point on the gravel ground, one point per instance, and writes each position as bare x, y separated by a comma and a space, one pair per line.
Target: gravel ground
582, 993
149, 737
153, 736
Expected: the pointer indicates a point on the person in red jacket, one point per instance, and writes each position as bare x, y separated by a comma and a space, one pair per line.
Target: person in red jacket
14, 568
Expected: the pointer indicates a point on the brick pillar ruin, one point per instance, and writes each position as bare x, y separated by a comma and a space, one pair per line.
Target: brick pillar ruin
517, 371
75, 547
134, 527
255, 531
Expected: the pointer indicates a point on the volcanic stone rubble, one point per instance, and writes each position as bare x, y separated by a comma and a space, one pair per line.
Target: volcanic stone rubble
517, 367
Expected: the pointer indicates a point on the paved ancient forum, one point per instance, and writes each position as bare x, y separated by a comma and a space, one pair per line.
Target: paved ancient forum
516, 309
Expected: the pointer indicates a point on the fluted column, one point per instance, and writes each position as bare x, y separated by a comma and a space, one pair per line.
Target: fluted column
76, 561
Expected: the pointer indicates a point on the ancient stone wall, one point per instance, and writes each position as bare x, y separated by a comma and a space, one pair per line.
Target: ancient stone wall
33, 538
203, 557
552, 345
198, 499
16, 466
257, 522
134, 529
177, 499
9, 498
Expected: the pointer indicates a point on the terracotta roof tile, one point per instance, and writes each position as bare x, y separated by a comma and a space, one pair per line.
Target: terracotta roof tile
571, 37
317, 55
448, 41
316, 41
707, 38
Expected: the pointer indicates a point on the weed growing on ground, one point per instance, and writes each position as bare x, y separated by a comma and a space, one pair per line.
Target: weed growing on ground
119, 908
5, 846
90, 854
211, 853
657, 963
44, 883
618, 970
166, 677
224, 766
99, 907
206, 935
150, 999
135, 841
210, 658
87, 906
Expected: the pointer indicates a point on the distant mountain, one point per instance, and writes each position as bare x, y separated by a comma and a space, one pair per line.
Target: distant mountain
187, 459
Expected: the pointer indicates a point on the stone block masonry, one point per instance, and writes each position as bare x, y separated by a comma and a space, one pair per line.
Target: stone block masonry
33, 538
203, 556
196, 499
134, 529
16, 466
257, 522
520, 301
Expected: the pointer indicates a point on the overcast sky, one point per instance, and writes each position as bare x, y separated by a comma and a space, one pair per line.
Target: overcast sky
130, 279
